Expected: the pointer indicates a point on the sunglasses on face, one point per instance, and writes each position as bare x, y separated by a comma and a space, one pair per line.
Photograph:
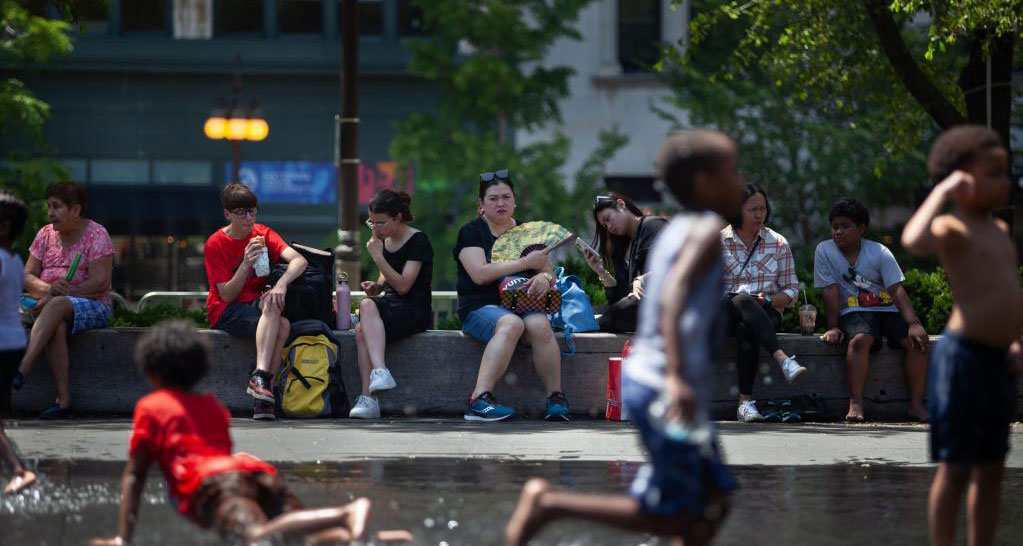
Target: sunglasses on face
499, 175
241, 213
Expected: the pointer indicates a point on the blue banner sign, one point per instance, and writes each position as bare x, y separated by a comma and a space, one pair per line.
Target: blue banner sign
313, 182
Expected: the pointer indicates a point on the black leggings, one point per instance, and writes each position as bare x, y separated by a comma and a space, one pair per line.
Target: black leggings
753, 326
9, 362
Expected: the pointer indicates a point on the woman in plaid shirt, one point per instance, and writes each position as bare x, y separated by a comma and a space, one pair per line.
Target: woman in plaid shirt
760, 281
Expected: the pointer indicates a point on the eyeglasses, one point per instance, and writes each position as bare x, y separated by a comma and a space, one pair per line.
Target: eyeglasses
603, 199
371, 224
242, 213
500, 175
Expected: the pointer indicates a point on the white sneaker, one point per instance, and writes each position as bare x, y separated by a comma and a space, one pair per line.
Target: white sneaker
747, 412
366, 407
792, 370
381, 380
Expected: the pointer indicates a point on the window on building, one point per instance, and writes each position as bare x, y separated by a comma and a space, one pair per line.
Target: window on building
119, 171
639, 34
410, 19
144, 15
640, 189
371, 17
91, 16
300, 16
239, 17
78, 168
191, 173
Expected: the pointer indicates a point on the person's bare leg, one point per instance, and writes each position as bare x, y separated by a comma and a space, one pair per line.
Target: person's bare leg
22, 477
60, 364
337, 535
916, 381
780, 356
857, 362
276, 357
55, 312
546, 354
351, 517
984, 501
267, 332
540, 504
372, 332
950, 482
362, 357
498, 353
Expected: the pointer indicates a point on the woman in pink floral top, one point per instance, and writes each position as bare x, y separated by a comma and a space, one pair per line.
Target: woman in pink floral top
65, 307
760, 282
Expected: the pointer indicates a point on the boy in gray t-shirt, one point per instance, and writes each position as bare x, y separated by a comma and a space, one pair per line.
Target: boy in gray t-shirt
864, 300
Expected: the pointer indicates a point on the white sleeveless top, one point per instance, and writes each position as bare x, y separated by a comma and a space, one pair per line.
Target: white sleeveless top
12, 279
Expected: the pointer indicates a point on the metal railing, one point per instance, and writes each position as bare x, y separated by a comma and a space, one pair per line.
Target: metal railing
445, 302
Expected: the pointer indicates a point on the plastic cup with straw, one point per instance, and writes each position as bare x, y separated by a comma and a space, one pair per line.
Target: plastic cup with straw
807, 315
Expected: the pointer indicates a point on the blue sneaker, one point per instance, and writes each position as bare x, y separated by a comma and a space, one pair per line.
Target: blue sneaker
55, 413
557, 407
486, 408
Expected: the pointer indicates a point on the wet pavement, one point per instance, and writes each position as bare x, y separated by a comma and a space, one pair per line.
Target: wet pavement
455, 502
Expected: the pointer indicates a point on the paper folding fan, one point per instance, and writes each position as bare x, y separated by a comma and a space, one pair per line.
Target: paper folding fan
525, 238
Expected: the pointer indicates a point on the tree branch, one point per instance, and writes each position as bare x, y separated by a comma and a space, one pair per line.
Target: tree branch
936, 104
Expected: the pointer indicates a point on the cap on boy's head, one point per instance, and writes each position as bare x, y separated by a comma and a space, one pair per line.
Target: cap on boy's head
959, 146
13, 210
687, 153
238, 196
174, 353
851, 209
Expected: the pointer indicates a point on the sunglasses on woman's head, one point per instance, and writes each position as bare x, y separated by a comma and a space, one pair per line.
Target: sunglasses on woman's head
603, 199
499, 175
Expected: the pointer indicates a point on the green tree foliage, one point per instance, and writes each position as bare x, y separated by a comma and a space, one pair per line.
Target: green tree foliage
804, 147
924, 61
486, 57
27, 40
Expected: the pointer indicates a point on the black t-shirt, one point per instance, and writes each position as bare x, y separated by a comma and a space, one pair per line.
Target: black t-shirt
416, 249
472, 296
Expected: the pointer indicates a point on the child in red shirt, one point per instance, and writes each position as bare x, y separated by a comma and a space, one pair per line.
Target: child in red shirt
237, 302
187, 435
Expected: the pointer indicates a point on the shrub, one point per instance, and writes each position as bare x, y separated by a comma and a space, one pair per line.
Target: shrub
122, 318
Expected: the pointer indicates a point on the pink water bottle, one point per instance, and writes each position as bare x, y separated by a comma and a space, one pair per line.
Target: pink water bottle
344, 303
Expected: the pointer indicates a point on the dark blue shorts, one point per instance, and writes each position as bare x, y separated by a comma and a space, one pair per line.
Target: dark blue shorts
240, 319
680, 476
972, 398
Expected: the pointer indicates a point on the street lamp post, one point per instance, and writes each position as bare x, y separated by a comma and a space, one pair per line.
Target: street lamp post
236, 123
347, 251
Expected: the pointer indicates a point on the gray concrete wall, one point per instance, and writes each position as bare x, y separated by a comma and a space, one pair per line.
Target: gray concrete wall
436, 371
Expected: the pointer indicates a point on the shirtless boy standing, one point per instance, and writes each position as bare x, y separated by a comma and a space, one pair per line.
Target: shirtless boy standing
971, 390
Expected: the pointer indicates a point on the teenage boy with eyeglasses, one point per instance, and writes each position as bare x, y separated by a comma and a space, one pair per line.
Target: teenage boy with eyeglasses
237, 302
861, 284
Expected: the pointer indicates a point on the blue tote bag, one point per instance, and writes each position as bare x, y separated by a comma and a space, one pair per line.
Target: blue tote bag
576, 313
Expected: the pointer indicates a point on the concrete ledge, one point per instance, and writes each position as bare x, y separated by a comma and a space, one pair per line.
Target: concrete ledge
436, 371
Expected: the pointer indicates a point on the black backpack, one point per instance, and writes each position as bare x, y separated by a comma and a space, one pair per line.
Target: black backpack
309, 296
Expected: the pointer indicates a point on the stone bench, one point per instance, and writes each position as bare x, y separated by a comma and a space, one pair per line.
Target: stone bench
436, 371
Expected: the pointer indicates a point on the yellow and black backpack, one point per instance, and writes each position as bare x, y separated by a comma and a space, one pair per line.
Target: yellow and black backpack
310, 384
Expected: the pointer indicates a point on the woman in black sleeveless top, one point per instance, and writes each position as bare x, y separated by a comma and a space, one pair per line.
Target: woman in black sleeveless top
400, 299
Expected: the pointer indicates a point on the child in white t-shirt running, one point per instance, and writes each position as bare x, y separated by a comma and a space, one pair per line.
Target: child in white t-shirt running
13, 215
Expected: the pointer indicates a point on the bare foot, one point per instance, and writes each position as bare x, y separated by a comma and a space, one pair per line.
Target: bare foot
334, 535
20, 482
395, 535
527, 518
918, 413
358, 513
855, 414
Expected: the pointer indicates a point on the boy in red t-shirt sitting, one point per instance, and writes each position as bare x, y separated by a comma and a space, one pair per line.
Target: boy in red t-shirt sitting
237, 303
187, 434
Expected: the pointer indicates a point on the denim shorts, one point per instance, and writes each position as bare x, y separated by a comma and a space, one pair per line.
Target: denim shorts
972, 398
480, 323
680, 476
88, 314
